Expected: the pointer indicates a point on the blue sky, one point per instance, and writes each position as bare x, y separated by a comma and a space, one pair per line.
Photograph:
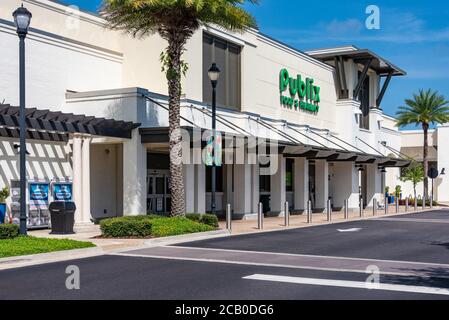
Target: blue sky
413, 34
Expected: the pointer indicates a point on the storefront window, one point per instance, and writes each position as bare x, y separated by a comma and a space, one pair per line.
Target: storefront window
289, 174
218, 180
364, 103
227, 57
264, 180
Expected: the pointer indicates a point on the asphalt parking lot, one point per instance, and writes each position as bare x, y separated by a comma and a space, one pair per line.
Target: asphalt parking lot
402, 257
421, 237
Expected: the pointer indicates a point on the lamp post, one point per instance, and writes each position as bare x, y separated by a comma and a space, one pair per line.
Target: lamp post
22, 18
214, 74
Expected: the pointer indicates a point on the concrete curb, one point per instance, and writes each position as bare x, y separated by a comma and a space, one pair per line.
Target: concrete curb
187, 238
42, 258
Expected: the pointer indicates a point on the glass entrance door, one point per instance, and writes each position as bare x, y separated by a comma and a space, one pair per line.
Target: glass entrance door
158, 198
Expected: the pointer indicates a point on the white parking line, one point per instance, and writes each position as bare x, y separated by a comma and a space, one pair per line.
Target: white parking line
414, 220
348, 284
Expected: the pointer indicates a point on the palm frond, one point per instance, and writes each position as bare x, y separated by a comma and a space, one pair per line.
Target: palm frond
144, 17
426, 107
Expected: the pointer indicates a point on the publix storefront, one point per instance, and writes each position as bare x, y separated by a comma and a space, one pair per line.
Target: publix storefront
295, 126
301, 94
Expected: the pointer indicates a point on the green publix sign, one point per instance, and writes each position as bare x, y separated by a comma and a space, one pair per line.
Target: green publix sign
302, 94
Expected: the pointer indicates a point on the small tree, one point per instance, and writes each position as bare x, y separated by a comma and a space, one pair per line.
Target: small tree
415, 174
397, 191
4, 194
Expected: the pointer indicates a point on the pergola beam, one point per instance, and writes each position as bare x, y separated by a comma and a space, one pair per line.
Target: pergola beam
362, 78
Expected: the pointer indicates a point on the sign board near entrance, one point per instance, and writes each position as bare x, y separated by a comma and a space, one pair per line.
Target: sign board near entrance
62, 191
38, 195
301, 94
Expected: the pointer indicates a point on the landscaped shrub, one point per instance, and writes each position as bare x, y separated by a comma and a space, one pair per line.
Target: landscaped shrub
209, 219
154, 226
9, 231
193, 216
427, 203
164, 227
122, 227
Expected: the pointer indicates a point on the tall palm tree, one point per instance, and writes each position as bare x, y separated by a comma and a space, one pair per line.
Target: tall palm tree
175, 21
426, 108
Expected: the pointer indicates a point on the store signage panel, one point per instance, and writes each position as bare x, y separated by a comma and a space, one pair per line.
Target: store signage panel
39, 195
298, 93
62, 191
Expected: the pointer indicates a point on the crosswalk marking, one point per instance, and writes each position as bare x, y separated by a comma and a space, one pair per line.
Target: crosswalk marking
348, 284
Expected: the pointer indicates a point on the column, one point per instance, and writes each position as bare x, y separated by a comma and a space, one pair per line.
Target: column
321, 184
242, 188
77, 177
86, 213
189, 186
277, 182
373, 184
301, 184
134, 176
346, 182
200, 188
255, 196
228, 194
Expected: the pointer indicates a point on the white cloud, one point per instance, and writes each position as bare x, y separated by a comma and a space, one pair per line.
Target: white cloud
396, 27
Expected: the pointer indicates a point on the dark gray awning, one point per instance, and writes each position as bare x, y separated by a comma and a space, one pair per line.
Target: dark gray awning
379, 64
56, 125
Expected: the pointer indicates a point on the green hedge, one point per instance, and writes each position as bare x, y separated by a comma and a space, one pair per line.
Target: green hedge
178, 225
209, 219
153, 226
122, 227
9, 231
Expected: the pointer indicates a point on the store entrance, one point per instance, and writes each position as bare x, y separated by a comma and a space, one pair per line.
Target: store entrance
312, 183
158, 196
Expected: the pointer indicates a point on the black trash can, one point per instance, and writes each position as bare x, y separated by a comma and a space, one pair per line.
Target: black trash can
62, 217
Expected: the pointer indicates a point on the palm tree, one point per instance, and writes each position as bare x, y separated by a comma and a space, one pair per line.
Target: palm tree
426, 108
175, 21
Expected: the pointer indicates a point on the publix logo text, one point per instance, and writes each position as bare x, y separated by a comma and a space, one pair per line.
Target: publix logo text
302, 94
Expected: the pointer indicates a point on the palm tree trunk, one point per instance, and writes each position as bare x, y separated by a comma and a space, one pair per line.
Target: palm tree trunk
425, 127
174, 52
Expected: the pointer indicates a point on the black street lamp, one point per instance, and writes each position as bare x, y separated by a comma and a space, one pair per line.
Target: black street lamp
214, 74
22, 19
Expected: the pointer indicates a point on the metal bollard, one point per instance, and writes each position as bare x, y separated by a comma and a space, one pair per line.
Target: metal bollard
286, 214
397, 205
361, 207
346, 210
424, 202
309, 211
386, 205
260, 217
406, 204
374, 206
228, 218
329, 210
431, 202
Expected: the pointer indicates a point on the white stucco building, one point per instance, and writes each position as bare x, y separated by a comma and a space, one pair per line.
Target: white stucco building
331, 148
